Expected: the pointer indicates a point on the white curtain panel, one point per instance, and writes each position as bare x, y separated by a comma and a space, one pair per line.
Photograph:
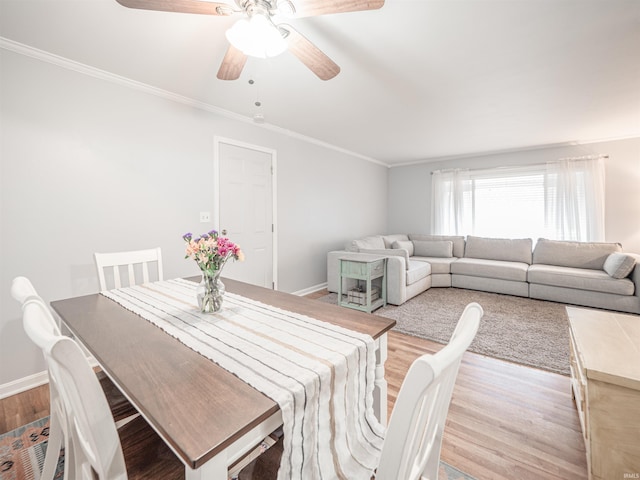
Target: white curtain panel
562, 200
449, 189
575, 199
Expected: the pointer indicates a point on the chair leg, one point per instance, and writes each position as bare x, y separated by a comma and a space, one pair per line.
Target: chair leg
54, 443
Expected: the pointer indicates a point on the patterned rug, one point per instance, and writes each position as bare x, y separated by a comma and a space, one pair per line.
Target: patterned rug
521, 330
22, 453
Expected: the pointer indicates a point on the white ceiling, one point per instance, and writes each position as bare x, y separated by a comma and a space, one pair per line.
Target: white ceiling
419, 79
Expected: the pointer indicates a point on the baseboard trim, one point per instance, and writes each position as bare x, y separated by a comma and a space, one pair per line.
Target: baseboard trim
23, 384
31, 381
307, 291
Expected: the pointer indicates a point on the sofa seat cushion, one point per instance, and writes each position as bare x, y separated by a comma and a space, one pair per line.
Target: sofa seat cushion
417, 271
438, 264
580, 278
479, 267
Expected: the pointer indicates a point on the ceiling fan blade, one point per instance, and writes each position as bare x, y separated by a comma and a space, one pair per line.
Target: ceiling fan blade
232, 64
311, 8
310, 55
180, 6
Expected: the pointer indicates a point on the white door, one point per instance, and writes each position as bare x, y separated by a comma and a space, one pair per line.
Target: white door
246, 209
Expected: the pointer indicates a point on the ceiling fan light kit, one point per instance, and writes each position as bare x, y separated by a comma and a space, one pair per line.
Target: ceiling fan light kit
257, 35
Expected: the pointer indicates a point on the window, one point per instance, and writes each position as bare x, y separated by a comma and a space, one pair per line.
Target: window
561, 200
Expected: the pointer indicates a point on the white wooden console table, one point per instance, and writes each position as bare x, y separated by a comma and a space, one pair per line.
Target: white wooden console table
605, 379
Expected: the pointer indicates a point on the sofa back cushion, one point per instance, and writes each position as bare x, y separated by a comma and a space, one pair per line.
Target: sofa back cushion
619, 265
372, 242
504, 249
458, 241
562, 253
389, 252
433, 248
389, 239
408, 246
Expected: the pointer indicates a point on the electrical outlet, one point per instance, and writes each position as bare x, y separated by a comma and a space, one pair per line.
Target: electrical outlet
205, 217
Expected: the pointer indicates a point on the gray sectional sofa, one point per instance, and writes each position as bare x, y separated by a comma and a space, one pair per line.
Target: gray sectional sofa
590, 274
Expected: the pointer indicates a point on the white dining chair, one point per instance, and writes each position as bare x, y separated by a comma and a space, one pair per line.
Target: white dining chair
412, 444
97, 452
413, 440
100, 451
41, 327
80, 414
110, 268
136, 263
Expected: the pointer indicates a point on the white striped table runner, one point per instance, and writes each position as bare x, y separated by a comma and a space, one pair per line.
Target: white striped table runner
321, 375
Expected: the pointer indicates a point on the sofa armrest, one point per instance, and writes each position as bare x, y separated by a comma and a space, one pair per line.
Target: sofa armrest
635, 274
396, 280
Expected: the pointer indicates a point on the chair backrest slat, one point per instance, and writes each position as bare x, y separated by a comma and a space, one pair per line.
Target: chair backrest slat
116, 277
112, 262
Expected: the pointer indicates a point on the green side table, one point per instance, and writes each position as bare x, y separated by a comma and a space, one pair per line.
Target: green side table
370, 273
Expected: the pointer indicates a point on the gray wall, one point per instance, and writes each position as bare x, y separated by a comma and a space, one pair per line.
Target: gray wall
410, 186
90, 165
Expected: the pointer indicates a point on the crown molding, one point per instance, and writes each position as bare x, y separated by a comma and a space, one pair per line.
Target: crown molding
84, 69
573, 143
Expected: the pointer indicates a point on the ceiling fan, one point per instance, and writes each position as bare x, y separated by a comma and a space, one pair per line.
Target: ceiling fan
273, 38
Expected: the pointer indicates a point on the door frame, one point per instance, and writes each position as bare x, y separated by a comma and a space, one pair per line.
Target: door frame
217, 140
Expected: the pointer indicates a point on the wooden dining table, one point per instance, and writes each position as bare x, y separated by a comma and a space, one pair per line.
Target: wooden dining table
206, 415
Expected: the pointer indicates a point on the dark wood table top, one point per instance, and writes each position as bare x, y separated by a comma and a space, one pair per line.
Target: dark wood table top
198, 407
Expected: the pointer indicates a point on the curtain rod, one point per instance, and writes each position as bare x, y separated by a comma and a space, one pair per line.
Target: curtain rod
584, 157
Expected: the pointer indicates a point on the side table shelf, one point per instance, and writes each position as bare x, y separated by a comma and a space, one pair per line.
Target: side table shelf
369, 270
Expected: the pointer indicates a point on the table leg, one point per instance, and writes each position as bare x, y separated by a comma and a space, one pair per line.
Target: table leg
380, 390
217, 467
340, 285
214, 469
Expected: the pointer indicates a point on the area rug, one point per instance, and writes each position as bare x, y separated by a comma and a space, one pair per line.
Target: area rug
22, 453
526, 331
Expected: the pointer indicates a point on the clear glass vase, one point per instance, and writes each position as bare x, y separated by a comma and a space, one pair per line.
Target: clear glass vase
210, 292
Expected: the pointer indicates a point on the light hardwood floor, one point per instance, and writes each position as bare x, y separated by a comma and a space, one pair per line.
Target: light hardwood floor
506, 421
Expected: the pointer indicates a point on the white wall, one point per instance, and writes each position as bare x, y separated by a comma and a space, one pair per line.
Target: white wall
91, 165
410, 186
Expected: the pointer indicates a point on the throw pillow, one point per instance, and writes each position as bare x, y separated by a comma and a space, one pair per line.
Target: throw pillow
619, 265
398, 237
407, 245
434, 248
458, 241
